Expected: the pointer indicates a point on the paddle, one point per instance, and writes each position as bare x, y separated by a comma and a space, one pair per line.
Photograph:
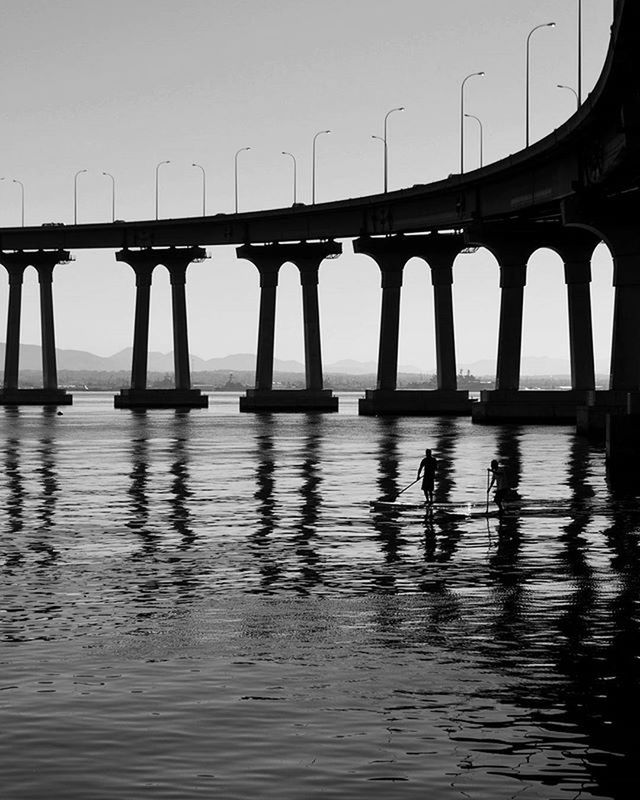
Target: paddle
488, 485
406, 487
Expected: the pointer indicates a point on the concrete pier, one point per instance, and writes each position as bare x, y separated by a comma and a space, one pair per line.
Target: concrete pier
143, 262
307, 257
391, 254
513, 246
43, 262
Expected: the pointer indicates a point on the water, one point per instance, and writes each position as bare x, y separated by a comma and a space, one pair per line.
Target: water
204, 604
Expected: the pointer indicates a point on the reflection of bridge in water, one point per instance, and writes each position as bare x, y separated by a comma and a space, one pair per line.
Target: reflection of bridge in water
573, 189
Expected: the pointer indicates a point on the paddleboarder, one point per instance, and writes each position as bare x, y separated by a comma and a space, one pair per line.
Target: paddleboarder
427, 469
500, 481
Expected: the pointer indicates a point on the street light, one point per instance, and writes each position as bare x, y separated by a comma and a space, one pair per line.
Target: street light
241, 150
204, 188
531, 32
477, 119
295, 174
113, 195
158, 165
579, 92
573, 91
21, 185
75, 195
313, 166
384, 141
472, 75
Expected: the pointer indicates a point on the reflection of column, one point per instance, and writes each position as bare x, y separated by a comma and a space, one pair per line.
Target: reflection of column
180, 515
12, 347
311, 321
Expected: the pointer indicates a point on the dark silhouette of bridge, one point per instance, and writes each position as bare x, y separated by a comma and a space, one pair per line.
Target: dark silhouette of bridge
571, 190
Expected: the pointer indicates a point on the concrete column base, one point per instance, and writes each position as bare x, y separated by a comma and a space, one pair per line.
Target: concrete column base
416, 403
160, 398
35, 397
289, 400
545, 407
591, 419
622, 437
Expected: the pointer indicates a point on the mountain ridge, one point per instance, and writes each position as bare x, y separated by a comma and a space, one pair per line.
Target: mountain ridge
83, 360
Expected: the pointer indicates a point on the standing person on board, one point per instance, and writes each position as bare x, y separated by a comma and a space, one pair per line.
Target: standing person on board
499, 479
427, 469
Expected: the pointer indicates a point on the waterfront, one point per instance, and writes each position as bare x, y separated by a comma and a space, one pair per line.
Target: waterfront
204, 604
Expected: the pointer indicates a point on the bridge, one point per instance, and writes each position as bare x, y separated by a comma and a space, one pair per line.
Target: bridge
571, 190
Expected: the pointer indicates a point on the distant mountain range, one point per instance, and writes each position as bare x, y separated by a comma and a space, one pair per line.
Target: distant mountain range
81, 360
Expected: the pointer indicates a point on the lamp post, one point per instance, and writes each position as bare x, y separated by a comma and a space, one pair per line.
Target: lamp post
313, 166
477, 119
21, 185
573, 91
295, 174
472, 75
235, 172
204, 188
531, 32
113, 195
579, 92
386, 146
158, 165
75, 195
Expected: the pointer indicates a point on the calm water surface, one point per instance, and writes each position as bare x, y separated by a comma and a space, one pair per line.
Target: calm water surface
204, 604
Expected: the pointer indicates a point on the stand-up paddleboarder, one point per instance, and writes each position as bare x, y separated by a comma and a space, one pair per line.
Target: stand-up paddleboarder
499, 480
427, 469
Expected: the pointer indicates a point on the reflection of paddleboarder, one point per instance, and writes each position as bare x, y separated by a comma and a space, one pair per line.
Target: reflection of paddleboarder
501, 482
428, 470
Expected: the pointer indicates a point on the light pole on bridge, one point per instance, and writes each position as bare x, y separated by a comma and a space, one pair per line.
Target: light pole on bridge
21, 185
158, 165
313, 166
113, 195
204, 188
462, 115
573, 91
295, 174
384, 140
479, 121
531, 32
235, 172
579, 92
75, 195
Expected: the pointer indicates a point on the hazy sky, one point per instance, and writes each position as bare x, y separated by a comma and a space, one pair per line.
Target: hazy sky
119, 86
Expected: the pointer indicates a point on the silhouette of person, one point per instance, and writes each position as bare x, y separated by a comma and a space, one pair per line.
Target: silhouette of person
500, 481
427, 469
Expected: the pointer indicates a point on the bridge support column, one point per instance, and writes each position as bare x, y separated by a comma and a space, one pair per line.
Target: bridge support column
268, 259
15, 264
578, 279
143, 262
513, 247
391, 254
619, 229
311, 322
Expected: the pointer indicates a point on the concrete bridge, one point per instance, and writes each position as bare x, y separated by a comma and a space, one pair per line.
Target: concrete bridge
571, 190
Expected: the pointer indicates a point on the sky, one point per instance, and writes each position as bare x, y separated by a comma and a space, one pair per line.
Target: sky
118, 87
